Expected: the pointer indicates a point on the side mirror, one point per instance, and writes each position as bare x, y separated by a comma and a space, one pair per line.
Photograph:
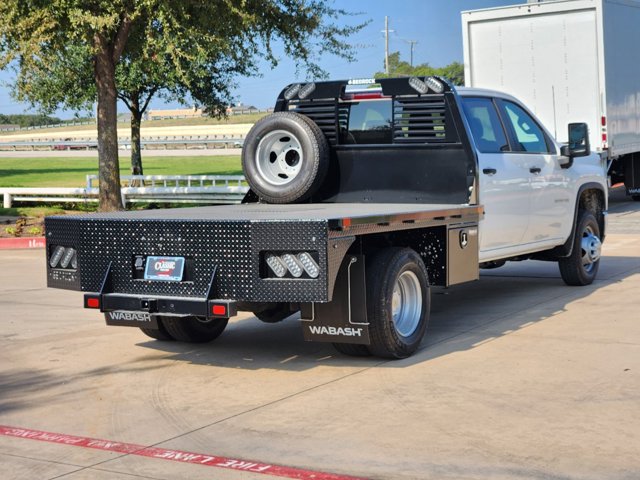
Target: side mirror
578, 143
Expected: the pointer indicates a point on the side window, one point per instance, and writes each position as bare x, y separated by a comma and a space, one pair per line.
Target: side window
485, 124
369, 123
528, 134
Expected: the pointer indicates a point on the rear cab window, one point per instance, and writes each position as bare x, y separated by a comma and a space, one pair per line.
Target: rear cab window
369, 122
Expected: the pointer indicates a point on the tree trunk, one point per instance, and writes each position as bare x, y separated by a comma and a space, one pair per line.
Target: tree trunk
108, 163
136, 154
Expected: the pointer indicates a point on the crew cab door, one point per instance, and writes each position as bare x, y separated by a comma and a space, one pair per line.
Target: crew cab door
505, 189
532, 148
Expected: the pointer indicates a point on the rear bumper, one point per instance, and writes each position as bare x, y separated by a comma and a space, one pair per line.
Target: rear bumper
200, 307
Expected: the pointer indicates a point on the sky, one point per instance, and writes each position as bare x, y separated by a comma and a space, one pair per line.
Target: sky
434, 24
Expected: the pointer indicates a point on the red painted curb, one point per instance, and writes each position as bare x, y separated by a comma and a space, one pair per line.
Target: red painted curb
22, 242
173, 455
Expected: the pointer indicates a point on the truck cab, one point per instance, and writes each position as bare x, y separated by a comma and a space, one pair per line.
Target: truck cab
526, 182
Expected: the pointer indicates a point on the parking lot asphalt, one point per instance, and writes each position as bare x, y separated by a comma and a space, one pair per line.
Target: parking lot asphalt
519, 377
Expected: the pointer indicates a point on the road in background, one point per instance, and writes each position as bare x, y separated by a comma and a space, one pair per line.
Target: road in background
189, 152
520, 376
125, 131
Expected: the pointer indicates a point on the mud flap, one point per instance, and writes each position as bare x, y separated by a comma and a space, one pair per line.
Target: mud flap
122, 318
632, 174
344, 319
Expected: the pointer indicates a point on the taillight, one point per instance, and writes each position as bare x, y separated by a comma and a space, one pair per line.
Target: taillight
291, 265
91, 301
63, 258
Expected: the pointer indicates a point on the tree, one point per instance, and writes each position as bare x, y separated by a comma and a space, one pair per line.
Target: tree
454, 72
72, 52
28, 120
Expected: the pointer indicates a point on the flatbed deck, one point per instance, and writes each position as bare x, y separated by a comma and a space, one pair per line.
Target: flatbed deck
315, 211
233, 239
335, 213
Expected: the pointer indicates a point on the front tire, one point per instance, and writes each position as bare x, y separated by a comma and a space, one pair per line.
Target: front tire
581, 267
194, 329
398, 302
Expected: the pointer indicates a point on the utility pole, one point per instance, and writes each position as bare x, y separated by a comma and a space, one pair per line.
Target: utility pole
411, 44
386, 45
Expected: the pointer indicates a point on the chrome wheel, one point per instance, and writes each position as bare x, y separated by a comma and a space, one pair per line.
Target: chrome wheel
406, 303
591, 249
279, 157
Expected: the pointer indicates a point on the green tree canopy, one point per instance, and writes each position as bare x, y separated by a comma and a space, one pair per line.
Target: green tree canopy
73, 53
26, 120
454, 72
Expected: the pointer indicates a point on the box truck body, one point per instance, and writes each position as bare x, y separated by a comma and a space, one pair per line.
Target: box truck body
570, 61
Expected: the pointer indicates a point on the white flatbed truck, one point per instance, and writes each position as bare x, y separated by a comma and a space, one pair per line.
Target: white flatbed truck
360, 201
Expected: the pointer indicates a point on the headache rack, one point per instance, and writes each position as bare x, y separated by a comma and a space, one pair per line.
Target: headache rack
393, 140
417, 117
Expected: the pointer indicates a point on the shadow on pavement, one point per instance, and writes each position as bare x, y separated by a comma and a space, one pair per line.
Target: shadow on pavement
462, 317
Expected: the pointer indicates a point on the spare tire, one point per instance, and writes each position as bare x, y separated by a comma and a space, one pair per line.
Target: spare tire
285, 158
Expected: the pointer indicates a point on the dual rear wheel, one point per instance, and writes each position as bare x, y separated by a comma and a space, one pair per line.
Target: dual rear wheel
398, 304
187, 329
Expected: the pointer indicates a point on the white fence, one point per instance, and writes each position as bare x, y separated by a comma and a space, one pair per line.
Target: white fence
211, 189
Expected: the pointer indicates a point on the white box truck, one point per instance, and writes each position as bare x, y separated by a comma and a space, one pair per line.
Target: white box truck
569, 61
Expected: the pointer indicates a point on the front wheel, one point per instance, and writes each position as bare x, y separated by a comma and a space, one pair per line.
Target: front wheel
580, 268
398, 302
194, 329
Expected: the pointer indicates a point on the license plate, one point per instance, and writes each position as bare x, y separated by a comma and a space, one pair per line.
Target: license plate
131, 319
164, 269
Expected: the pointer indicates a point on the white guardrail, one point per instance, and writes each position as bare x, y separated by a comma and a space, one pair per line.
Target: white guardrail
211, 189
213, 141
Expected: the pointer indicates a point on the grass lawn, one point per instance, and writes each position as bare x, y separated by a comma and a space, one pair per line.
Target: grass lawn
71, 172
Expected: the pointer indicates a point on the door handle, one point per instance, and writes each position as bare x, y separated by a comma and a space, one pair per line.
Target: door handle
535, 170
489, 171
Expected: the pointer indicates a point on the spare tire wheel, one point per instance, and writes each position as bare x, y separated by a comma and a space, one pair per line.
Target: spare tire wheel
285, 157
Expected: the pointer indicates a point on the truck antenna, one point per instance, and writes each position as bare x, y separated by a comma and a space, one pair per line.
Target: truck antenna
553, 101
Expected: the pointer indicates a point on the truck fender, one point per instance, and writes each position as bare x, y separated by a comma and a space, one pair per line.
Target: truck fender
566, 249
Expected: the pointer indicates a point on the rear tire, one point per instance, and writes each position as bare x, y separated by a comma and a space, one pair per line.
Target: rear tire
580, 268
159, 334
275, 314
398, 302
194, 329
352, 349
285, 158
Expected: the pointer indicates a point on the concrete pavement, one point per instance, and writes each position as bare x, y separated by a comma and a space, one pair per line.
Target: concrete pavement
519, 377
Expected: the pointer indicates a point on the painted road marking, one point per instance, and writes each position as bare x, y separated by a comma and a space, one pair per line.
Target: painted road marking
174, 455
